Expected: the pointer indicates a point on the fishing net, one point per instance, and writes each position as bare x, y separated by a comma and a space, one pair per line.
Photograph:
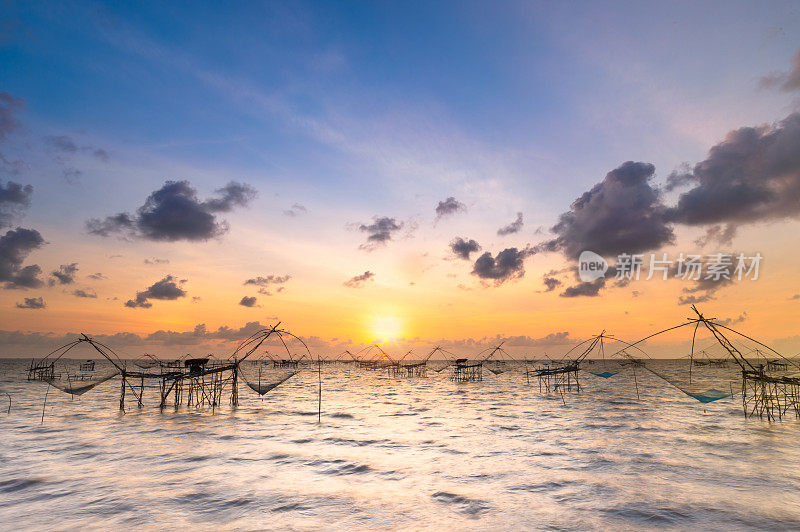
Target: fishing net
496, 359
271, 357
77, 367
708, 358
263, 376
596, 356
705, 383
79, 383
600, 360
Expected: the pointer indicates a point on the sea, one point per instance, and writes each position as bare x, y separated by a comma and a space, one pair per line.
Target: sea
428, 453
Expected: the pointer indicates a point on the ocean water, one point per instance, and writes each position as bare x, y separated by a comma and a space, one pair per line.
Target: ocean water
421, 453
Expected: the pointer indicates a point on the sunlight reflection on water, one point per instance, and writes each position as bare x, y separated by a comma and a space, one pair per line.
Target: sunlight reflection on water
415, 453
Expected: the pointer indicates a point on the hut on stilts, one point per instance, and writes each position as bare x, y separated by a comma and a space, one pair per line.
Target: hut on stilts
466, 371
557, 377
562, 375
471, 370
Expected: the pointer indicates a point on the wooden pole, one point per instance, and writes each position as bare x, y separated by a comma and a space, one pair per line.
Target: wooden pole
45, 400
122, 394
319, 397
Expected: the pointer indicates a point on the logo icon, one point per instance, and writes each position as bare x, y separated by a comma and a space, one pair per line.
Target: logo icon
591, 266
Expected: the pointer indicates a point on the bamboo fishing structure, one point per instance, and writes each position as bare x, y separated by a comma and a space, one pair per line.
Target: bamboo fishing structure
764, 393
466, 371
191, 381
41, 371
559, 378
409, 370
562, 375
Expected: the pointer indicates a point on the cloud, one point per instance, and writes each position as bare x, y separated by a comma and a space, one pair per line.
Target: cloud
509, 264
15, 246
32, 303
449, 207
248, 301
379, 231
359, 280
227, 333
119, 223
72, 175
14, 342
174, 212
719, 234
295, 210
166, 289
585, 289
64, 147
61, 143
621, 214
463, 248
550, 283
265, 292
231, 195
268, 280
193, 337
9, 107
733, 321
753, 175
98, 276
785, 81
693, 299
513, 227
552, 339
156, 261
14, 198
79, 292
704, 289
65, 274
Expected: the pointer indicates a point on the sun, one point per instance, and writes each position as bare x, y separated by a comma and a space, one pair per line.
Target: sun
386, 328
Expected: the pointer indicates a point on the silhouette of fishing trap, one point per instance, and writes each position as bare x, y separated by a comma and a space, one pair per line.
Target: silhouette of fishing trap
345, 358
410, 369
557, 377
190, 381
767, 390
406, 370
370, 357
263, 372
562, 375
41, 371
71, 376
467, 370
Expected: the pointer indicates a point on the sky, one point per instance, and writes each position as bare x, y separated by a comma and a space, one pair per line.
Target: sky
176, 175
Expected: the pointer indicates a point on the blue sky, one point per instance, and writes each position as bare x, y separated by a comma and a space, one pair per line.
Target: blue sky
362, 109
312, 92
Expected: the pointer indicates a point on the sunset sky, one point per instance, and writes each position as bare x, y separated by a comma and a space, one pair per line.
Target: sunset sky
420, 173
